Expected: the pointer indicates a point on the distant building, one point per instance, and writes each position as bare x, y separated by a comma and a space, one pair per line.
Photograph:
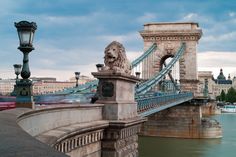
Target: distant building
45, 86
204, 76
82, 79
48, 79
215, 86
6, 86
222, 83
41, 85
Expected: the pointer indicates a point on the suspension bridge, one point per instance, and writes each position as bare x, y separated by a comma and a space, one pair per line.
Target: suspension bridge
126, 104
147, 92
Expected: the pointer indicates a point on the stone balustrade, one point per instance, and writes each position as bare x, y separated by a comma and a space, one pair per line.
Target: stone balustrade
39, 121
15, 142
72, 129
69, 129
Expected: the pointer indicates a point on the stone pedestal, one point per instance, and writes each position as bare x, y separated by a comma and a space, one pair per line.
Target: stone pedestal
116, 92
24, 96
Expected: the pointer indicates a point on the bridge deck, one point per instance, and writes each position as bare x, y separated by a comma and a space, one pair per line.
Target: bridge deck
152, 104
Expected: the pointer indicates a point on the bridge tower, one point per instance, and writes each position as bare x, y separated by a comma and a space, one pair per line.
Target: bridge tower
168, 37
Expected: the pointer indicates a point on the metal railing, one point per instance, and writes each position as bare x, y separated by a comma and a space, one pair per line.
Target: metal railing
151, 104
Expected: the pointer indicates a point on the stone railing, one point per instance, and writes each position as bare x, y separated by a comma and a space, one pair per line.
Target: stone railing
77, 141
39, 121
72, 129
15, 142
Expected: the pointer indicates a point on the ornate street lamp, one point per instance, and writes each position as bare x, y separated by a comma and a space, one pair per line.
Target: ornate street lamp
26, 32
137, 74
99, 67
77, 78
17, 68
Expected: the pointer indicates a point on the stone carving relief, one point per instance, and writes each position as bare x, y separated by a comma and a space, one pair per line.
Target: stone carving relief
77, 141
169, 48
169, 37
115, 58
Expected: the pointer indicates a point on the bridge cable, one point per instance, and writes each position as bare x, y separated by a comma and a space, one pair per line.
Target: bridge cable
147, 85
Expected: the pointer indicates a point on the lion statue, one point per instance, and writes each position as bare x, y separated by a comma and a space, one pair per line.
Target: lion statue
115, 58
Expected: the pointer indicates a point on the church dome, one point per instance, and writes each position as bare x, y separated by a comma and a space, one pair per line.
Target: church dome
221, 75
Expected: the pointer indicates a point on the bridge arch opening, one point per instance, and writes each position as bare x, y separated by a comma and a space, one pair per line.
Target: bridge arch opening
173, 77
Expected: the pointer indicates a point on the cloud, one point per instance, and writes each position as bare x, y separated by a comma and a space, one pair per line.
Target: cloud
146, 17
218, 33
202, 19
220, 37
51, 57
8, 6
232, 14
214, 61
132, 55
63, 75
190, 16
131, 36
72, 35
85, 69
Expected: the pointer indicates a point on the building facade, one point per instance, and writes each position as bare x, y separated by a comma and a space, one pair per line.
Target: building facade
42, 85
6, 86
214, 86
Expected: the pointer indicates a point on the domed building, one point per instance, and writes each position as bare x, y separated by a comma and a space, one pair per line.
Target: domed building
215, 86
221, 83
222, 80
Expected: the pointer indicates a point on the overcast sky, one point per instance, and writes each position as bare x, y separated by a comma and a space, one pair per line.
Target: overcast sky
72, 34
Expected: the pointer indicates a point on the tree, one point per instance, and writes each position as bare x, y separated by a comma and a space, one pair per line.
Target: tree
231, 95
222, 95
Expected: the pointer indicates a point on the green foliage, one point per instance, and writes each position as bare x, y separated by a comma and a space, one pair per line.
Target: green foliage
231, 95
222, 96
218, 98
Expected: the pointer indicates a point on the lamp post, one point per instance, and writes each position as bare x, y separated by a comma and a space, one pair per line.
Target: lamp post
17, 68
99, 67
137, 74
26, 32
77, 78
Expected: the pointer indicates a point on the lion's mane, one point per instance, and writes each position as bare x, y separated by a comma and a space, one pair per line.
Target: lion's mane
121, 64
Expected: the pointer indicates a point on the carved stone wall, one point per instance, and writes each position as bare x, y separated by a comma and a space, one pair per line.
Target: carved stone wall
79, 141
169, 37
121, 142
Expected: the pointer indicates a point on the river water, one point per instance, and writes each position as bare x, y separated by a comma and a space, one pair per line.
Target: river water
172, 147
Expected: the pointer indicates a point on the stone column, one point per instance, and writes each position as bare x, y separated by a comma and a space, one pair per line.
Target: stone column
116, 92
